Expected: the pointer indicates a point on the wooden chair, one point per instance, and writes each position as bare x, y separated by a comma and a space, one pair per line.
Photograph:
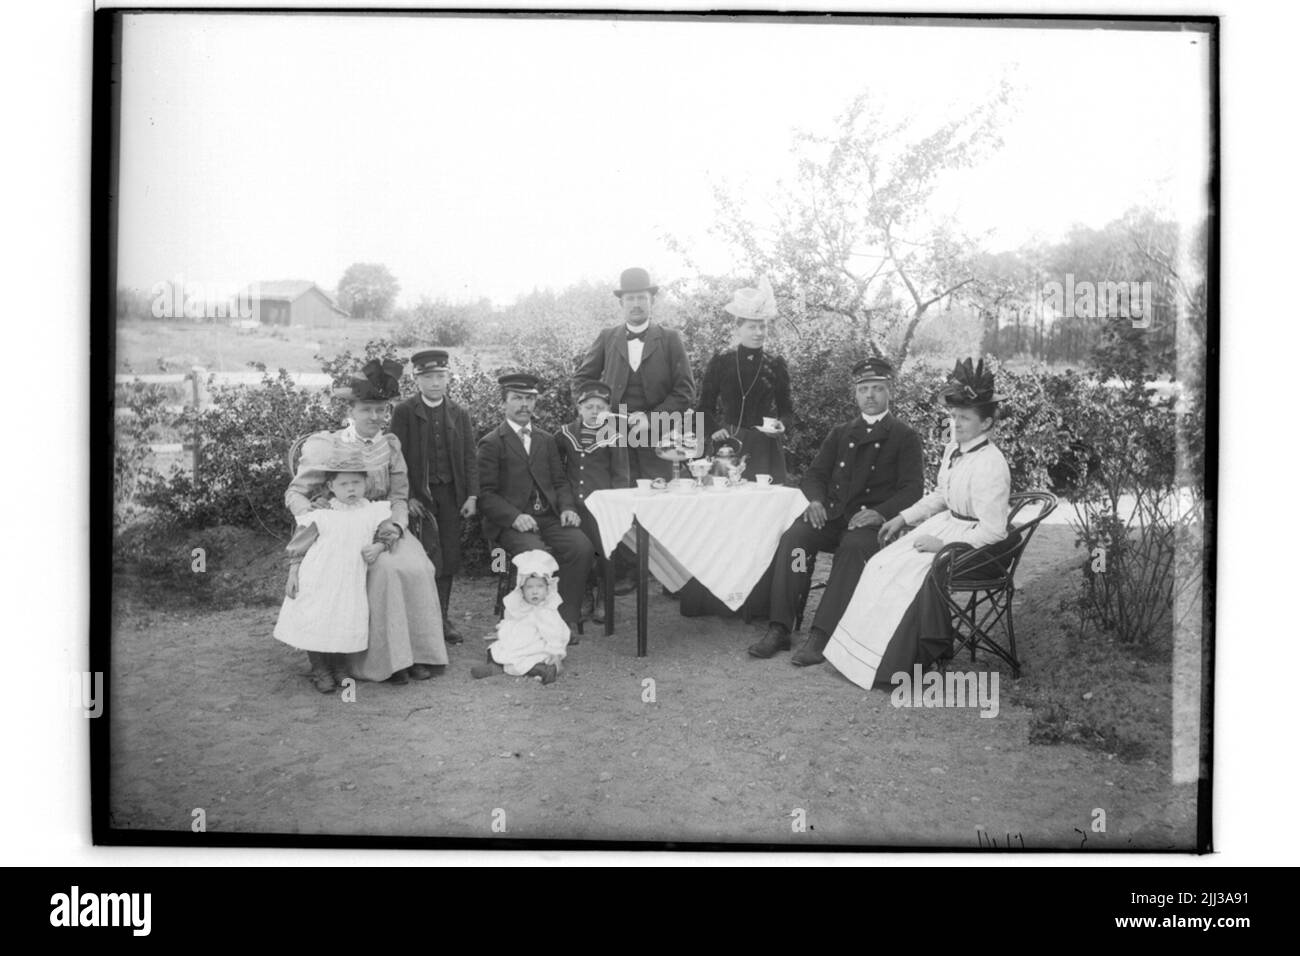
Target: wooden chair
978, 584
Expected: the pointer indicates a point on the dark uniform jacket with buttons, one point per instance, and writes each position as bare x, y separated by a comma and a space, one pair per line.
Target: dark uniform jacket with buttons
508, 475
877, 466
603, 465
411, 426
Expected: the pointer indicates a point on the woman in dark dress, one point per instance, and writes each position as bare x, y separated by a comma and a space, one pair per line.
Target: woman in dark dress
750, 384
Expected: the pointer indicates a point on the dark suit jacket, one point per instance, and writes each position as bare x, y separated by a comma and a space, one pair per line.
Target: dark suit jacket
507, 476
411, 427
665, 372
879, 467
603, 466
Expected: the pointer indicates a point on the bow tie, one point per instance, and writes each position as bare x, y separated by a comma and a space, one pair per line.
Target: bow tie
636, 335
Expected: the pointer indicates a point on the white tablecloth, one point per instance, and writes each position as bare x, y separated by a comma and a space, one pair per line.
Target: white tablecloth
723, 539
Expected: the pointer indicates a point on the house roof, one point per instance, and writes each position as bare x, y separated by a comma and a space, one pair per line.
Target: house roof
287, 290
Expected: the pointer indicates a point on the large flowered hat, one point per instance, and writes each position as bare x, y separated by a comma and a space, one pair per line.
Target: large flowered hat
970, 385
753, 303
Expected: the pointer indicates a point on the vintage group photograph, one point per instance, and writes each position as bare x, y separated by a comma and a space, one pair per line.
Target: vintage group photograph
640, 430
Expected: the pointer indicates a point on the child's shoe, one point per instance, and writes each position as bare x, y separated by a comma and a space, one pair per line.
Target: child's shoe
321, 678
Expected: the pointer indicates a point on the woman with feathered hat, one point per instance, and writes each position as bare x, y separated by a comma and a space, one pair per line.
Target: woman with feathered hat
893, 621
405, 624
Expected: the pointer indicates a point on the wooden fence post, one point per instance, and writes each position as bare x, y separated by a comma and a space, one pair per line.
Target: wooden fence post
197, 436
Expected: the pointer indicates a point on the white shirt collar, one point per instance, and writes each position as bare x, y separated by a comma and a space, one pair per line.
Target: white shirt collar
968, 445
517, 428
637, 328
874, 419
429, 404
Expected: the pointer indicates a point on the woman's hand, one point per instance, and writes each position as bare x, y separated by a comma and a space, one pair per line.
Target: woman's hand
469, 508
371, 552
928, 543
417, 508
891, 529
388, 532
720, 434
291, 585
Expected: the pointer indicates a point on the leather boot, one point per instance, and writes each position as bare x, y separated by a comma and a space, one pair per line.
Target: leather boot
449, 633
811, 651
598, 603
321, 678
776, 639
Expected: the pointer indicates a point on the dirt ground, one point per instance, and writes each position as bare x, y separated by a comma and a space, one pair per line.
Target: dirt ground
209, 711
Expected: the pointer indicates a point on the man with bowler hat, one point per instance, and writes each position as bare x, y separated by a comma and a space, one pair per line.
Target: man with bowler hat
526, 500
866, 472
437, 437
645, 367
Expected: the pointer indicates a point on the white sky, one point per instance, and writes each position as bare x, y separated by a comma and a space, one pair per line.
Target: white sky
492, 156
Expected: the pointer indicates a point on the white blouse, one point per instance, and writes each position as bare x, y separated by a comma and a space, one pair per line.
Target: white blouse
978, 486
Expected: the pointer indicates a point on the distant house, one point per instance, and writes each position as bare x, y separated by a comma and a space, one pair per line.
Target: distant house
293, 302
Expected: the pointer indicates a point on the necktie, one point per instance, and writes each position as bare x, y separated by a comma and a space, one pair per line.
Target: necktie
636, 335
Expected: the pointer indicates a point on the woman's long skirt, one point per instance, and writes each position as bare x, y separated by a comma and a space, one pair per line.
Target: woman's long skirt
405, 618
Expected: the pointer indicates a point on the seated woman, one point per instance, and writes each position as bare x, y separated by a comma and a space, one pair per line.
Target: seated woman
894, 620
405, 623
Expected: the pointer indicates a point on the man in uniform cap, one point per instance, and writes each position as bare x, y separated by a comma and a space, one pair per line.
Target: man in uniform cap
437, 437
644, 365
526, 500
866, 472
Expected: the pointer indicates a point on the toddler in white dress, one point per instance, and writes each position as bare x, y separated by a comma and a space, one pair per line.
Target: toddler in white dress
531, 638
325, 611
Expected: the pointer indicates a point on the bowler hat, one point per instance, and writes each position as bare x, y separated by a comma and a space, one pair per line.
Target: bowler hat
635, 280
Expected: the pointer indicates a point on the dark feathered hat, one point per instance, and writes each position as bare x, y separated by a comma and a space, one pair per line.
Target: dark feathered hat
376, 382
970, 385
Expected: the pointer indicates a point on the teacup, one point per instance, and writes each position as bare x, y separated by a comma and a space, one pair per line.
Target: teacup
643, 486
771, 424
763, 479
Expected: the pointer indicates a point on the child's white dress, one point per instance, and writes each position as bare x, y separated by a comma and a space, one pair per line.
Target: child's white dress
530, 634
330, 612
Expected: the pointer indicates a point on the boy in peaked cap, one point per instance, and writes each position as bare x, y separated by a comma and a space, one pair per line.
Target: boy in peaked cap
437, 436
594, 459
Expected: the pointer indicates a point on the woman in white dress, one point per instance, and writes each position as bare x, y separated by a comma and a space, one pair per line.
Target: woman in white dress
895, 620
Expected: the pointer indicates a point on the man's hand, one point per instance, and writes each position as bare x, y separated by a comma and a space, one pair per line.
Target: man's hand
372, 551
891, 529
815, 515
720, 434
524, 523
469, 508
291, 586
866, 518
570, 519
417, 508
927, 543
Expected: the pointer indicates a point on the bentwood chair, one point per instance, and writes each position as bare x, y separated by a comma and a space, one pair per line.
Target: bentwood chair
978, 584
